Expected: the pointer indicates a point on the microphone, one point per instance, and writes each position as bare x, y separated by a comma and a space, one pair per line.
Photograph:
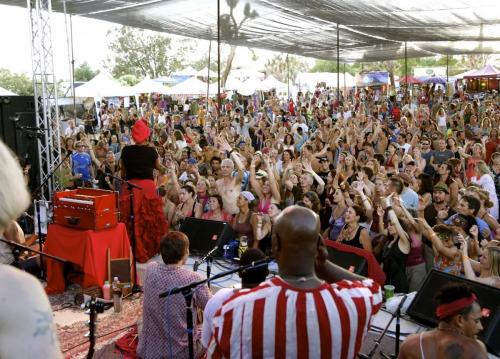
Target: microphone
205, 258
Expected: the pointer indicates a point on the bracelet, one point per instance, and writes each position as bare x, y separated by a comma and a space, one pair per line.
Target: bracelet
464, 257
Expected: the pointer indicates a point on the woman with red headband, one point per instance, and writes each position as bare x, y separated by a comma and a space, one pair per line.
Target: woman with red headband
455, 337
138, 161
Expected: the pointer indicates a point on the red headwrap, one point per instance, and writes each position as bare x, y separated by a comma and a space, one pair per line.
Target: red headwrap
447, 310
140, 131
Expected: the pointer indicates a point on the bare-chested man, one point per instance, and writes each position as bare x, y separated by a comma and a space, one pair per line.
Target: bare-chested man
229, 186
455, 337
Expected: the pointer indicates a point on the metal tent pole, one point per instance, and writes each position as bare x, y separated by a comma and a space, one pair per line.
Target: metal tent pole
338, 64
406, 69
208, 76
219, 100
447, 66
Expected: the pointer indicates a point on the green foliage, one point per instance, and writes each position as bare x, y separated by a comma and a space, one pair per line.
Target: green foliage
279, 68
20, 84
128, 80
141, 53
84, 72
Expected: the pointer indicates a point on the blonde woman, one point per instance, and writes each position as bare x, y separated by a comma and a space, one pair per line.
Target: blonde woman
24, 307
485, 180
488, 265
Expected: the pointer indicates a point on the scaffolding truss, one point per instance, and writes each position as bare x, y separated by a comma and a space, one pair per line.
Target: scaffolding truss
45, 93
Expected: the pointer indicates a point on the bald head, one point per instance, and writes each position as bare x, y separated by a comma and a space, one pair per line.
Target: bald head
297, 224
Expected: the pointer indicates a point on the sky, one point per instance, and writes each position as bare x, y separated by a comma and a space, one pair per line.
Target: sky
89, 43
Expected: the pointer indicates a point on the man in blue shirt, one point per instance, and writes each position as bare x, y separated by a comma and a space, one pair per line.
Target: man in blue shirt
81, 166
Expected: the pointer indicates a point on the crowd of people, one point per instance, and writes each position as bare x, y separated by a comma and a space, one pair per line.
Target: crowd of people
409, 177
412, 179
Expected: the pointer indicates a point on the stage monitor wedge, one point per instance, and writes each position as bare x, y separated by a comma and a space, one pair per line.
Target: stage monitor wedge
423, 307
205, 234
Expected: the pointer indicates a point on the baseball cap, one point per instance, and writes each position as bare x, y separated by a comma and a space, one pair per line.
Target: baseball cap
441, 187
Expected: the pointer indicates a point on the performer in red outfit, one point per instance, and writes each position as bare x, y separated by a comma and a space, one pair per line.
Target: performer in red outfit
137, 164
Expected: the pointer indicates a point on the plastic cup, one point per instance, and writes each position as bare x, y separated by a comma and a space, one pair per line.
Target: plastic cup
389, 291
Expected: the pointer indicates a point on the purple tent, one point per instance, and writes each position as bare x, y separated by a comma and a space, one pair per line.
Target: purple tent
487, 71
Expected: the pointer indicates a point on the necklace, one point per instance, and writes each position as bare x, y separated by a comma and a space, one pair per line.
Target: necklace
301, 279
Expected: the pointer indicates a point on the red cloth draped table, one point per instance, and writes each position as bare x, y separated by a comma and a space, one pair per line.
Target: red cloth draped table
86, 248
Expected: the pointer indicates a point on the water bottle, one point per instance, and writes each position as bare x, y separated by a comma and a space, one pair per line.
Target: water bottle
117, 295
106, 291
243, 245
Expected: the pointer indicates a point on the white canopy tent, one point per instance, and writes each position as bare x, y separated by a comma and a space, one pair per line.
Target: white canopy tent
103, 85
165, 80
188, 71
203, 73
309, 80
5, 92
249, 86
149, 86
192, 86
232, 84
272, 82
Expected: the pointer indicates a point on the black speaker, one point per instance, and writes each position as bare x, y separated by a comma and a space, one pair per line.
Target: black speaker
348, 261
205, 234
423, 307
16, 112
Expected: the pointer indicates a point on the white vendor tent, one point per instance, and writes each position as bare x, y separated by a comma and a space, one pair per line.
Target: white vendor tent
192, 86
272, 82
5, 92
311, 79
188, 72
204, 72
103, 86
232, 84
149, 86
249, 86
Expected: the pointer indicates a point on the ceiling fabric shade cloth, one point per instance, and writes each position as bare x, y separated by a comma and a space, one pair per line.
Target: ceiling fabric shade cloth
370, 30
103, 86
486, 72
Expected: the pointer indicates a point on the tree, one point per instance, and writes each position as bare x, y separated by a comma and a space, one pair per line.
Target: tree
279, 67
475, 61
84, 72
141, 53
230, 29
20, 84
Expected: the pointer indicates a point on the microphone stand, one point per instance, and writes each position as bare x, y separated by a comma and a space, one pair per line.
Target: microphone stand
130, 186
397, 315
209, 257
19, 247
35, 194
187, 292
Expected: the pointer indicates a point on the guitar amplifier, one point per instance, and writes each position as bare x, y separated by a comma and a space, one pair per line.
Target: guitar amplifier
86, 208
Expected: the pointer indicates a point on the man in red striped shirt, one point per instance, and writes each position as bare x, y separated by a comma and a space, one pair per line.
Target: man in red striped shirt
297, 314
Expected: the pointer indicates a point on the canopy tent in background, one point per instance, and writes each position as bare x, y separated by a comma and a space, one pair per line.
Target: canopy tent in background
434, 80
232, 84
460, 76
410, 80
103, 85
192, 86
166, 80
249, 87
272, 83
309, 80
374, 78
204, 72
149, 86
187, 72
5, 92
487, 72
369, 30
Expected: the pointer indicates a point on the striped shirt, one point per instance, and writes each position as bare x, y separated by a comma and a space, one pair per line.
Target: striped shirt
276, 320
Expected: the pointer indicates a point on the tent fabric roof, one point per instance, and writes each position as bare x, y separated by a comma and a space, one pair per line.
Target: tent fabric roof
5, 92
487, 71
370, 30
149, 86
192, 86
102, 85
